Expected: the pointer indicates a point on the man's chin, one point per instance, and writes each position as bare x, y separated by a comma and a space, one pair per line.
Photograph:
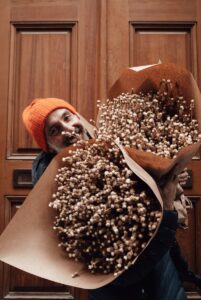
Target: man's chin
80, 137
73, 141
83, 136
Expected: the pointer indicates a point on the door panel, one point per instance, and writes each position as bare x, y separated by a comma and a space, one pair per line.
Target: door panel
168, 42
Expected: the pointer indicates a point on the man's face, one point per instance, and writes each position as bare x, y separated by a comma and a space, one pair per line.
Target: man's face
62, 129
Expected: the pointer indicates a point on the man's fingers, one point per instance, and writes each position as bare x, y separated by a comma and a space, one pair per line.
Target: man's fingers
183, 177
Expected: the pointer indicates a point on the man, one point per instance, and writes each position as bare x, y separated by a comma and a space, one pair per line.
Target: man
46, 120
54, 124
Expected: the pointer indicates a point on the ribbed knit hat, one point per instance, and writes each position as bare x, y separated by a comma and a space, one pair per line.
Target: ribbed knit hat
35, 115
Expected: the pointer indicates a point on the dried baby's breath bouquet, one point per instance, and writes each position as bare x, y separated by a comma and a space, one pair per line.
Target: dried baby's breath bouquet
106, 214
159, 123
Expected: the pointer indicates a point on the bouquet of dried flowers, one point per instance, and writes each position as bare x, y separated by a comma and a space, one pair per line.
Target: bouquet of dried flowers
161, 120
106, 214
159, 123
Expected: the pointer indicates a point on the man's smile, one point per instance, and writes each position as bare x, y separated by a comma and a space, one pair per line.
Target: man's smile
71, 137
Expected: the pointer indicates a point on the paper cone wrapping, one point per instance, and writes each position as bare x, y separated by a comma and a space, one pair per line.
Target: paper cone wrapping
160, 167
30, 243
145, 79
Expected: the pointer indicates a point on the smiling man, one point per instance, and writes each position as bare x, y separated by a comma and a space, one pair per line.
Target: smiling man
54, 124
62, 129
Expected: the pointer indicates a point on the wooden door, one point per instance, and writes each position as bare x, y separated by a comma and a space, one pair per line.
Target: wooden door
48, 49
141, 33
75, 50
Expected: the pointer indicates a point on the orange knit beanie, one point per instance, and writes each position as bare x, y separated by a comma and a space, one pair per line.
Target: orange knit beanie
35, 115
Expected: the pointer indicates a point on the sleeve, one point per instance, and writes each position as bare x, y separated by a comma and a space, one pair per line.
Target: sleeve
40, 164
37, 170
154, 252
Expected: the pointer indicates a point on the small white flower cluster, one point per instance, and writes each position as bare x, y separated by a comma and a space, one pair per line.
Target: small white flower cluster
106, 215
157, 123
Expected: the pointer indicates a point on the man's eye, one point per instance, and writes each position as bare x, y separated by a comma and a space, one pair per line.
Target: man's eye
66, 117
53, 131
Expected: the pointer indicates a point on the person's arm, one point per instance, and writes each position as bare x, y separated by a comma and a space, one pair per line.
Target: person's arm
160, 244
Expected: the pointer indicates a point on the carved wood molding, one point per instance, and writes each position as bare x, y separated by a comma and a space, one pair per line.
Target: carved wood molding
39, 296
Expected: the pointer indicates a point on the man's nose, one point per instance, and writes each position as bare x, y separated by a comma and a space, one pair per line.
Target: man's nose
68, 127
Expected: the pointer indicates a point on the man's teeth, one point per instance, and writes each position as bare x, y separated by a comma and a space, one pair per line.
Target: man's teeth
69, 134
71, 140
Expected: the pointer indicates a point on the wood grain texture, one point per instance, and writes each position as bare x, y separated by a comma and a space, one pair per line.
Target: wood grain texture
117, 39
156, 10
171, 43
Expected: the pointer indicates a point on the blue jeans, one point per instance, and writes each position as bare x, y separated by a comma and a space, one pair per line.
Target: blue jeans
162, 283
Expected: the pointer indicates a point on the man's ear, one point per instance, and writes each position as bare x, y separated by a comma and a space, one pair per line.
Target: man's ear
49, 148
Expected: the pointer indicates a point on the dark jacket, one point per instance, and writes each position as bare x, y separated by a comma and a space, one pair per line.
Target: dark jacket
40, 164
153, 276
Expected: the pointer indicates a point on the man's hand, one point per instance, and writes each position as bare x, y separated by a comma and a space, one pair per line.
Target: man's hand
183, 177
168, 192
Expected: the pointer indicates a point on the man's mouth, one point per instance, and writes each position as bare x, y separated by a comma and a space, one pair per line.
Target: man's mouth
71, 138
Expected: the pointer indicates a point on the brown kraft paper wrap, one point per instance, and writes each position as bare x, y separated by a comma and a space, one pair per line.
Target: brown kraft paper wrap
30, 244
